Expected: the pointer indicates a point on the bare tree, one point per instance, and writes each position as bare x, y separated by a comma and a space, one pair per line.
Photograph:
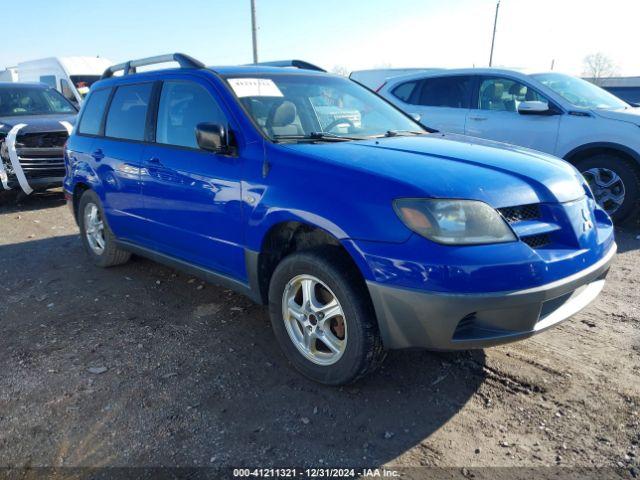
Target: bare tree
340, 70
598, 66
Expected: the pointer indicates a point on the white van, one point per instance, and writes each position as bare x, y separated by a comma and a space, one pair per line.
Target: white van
71, 76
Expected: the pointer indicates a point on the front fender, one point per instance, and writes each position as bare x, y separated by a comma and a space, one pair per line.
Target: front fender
347, 204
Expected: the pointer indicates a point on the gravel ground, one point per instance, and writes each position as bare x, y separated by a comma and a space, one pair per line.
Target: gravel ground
141, 365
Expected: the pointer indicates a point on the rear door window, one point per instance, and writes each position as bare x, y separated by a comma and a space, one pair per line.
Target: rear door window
128, 112
93, 112
451, 92
183, 105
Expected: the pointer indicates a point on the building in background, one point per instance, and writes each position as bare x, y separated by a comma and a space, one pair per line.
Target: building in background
626, 88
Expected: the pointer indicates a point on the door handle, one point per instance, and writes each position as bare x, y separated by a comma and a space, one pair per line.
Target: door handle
97, 155
478, 119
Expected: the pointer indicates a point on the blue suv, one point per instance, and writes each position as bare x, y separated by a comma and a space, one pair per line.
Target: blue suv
360, 229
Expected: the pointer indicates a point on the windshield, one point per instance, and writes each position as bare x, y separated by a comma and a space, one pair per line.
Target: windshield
579, 92
304, 106
16, 101
84, 82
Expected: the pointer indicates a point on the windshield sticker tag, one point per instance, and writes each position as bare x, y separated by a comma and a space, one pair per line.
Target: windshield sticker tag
254, 87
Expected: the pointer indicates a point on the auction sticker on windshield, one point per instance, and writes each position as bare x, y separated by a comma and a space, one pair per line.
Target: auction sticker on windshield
254, 87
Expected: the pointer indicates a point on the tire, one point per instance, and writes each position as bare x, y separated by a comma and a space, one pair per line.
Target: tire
628, 175
361, 345
110, 255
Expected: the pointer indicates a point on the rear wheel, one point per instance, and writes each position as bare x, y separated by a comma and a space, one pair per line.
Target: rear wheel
614, 183
97, 238
322, 317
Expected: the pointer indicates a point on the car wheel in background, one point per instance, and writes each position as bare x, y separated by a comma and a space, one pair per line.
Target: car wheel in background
323, 318
615, 183
97, 238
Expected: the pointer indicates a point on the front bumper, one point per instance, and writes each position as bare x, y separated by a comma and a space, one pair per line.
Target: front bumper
438, 321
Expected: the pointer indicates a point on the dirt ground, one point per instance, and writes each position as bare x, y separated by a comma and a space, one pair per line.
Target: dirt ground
141, 365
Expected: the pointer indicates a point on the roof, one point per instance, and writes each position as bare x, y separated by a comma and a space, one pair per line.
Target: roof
226, 71
187, 62
463, 71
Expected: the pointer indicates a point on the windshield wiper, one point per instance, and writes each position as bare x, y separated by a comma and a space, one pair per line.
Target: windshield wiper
324, 136
397, 133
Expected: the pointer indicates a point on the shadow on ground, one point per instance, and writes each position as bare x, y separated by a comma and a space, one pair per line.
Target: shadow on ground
14, 201
628, 238
190, 375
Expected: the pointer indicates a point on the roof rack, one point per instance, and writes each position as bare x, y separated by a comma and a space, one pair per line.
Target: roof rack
291, 63
128, 68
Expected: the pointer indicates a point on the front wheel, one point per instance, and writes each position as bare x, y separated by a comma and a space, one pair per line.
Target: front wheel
614, 182
323, 318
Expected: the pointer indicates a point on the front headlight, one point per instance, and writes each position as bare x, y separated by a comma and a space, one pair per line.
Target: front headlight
454, 222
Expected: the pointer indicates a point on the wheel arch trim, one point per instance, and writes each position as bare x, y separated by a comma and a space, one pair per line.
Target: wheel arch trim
614, 147
253, 257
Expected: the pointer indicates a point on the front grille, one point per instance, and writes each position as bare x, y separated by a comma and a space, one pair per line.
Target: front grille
521, 212
537, 241
41, 154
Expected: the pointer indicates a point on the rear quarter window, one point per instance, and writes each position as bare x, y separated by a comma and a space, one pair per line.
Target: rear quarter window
404, 91
127, 115
93, 112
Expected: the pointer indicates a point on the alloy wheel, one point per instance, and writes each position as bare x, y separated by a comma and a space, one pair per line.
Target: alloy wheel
607, 187
94, 228
314, 320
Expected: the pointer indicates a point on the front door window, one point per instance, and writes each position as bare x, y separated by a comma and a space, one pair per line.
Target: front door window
504, 95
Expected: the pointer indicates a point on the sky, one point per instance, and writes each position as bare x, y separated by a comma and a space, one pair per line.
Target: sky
352, 34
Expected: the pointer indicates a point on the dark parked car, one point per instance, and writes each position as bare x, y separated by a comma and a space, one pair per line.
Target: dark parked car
35, 122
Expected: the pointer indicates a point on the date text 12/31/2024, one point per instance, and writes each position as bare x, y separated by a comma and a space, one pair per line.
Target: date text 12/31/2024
315, 473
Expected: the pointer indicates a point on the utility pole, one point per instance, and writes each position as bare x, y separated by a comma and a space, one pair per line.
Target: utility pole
493, 38
553, 63
254, 31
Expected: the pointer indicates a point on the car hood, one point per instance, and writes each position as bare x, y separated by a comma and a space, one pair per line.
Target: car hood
456, 166
630, 114
37, 123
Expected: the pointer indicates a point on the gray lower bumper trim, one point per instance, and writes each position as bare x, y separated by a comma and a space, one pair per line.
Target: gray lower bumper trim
419, 319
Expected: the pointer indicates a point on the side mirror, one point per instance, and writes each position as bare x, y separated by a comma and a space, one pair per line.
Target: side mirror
212, 137
533, 107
